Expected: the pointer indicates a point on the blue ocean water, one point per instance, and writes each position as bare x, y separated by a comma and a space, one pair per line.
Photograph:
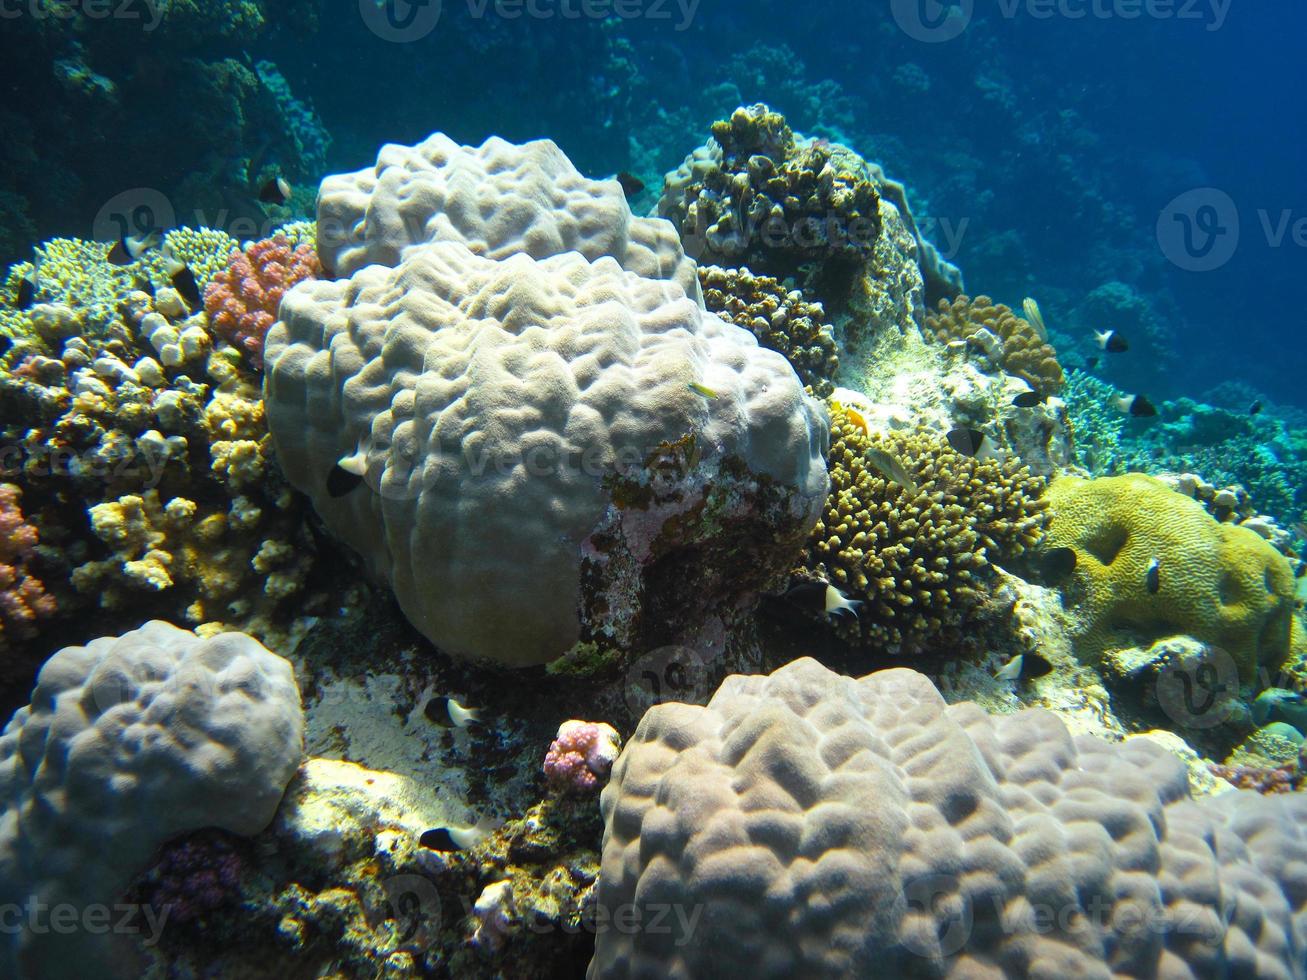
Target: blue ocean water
1088, 497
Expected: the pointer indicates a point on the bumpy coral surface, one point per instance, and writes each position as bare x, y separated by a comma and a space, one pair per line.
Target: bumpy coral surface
758, 197
498, 199
560, 408
581, 755
128, 742
23, 599
813, 825
242, 301
919, 560
780, 318
1151, 563
1002, 336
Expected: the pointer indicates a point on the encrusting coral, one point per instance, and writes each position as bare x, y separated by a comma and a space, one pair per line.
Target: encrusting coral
1007, 340
780, 318
1151, 563
918, 560
242, 300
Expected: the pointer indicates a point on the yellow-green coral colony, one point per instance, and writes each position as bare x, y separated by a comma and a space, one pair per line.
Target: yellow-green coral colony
921, 561
1153, 564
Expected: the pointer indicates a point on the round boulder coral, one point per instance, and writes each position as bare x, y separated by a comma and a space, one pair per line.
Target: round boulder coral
1151, 563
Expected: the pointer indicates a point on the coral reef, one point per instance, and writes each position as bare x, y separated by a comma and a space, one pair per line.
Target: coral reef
1004, 338
23, 599
762, 199
242, 300
601, 419
780, 318
134, 740
581, 755
919, 556
824, 826
1151, 563
193, 878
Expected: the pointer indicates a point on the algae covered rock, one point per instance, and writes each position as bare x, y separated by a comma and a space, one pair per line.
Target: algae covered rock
1151, 563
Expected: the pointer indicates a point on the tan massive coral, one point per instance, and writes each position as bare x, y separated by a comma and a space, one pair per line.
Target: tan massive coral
524, 424
811, 825
498, 199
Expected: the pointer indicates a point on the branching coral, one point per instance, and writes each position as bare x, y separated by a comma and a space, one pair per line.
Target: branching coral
23, 599
781, 319
581, 756
242, 301
919, 560
1002, 336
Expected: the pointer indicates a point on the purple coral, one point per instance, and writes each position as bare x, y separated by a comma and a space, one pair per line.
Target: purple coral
193, 877
581, 756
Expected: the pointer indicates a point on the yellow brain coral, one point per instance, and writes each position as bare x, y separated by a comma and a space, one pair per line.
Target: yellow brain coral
1151, 563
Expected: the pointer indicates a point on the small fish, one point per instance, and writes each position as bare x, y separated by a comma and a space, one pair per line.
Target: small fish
26, 291
1028, 399
891, 469
458, 838
1153, 577
631, 184
1057, 563
1024, 667
275, 191
443, 711
1111, 341
857, 419
183, 280
128, 249
822, 598
1035, 318
1255, 408
703, 390
968, 442
1136, 406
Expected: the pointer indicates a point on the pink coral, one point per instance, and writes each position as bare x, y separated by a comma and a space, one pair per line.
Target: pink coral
242, 300
23, 599
581, 755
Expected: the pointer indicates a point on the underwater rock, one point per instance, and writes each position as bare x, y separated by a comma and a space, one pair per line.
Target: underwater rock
536, 451
128, 742
913, 836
